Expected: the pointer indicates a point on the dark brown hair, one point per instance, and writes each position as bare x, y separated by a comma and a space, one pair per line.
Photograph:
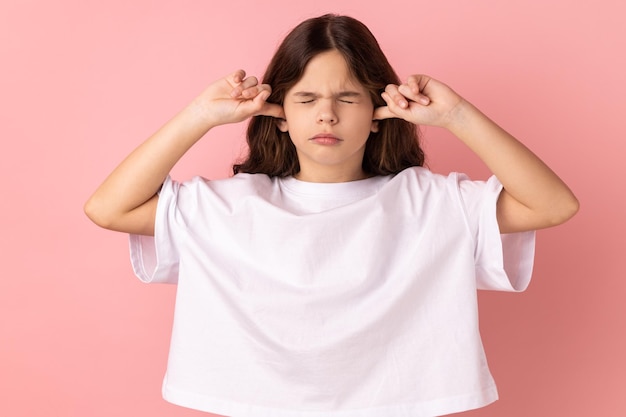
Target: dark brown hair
390, 150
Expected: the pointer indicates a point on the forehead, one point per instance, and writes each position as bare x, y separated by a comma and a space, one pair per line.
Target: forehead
327, 72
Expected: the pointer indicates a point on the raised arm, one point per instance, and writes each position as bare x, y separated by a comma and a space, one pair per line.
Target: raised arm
126, 201
533, 197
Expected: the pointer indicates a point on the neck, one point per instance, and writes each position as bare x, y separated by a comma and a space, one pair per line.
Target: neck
330, 176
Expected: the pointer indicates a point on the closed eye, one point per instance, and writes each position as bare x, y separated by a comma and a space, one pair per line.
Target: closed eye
347, 97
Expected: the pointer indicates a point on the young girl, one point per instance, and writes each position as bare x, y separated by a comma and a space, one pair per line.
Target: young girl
333, 275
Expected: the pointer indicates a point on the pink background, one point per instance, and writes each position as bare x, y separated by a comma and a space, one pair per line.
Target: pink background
83, 82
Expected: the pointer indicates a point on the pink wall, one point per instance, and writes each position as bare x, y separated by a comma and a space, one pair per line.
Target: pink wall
83, 82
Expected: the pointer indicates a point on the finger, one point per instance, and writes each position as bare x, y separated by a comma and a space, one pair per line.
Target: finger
249, 82
412, 93
413, 83
395, 96
245, 84
267, 109
393, 106
238, 76
272, 110
251, 88
250, 92
414, 88
381, 113
259, 93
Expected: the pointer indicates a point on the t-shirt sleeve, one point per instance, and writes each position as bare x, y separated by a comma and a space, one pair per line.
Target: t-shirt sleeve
155, 259
504, 262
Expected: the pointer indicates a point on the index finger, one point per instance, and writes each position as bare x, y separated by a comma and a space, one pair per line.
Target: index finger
381, 113
272, 110
268, 109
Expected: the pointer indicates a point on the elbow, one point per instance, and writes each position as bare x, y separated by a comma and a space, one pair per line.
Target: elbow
96, 213
567, 208
574, 206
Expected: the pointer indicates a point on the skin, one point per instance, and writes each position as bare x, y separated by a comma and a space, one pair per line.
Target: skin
327, 100
533, 197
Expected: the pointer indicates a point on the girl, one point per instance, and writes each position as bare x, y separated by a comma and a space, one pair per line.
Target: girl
333, 275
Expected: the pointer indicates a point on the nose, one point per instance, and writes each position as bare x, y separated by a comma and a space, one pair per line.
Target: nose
326, 112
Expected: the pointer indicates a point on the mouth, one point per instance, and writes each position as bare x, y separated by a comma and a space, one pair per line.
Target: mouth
325, 139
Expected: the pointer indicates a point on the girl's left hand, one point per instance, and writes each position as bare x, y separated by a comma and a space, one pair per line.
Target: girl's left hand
421, 100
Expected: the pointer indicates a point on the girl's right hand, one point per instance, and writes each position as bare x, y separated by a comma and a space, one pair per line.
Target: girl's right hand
234, 99
127, 199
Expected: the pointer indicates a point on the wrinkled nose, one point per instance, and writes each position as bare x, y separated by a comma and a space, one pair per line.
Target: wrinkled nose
326, 114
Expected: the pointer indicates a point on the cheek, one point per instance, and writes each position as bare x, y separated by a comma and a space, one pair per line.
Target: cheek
296, 122
364, 117
294, 114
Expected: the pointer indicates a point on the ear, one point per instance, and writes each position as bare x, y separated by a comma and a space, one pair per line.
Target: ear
374, 126
282, 125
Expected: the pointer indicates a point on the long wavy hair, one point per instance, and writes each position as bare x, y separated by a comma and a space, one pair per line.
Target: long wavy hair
390, 150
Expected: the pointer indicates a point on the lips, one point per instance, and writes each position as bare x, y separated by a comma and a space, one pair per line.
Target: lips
325, 139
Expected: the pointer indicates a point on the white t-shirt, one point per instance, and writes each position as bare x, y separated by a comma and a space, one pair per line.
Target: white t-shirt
355, 299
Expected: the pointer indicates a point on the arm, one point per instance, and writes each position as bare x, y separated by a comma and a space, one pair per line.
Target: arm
126, 201
533, 197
